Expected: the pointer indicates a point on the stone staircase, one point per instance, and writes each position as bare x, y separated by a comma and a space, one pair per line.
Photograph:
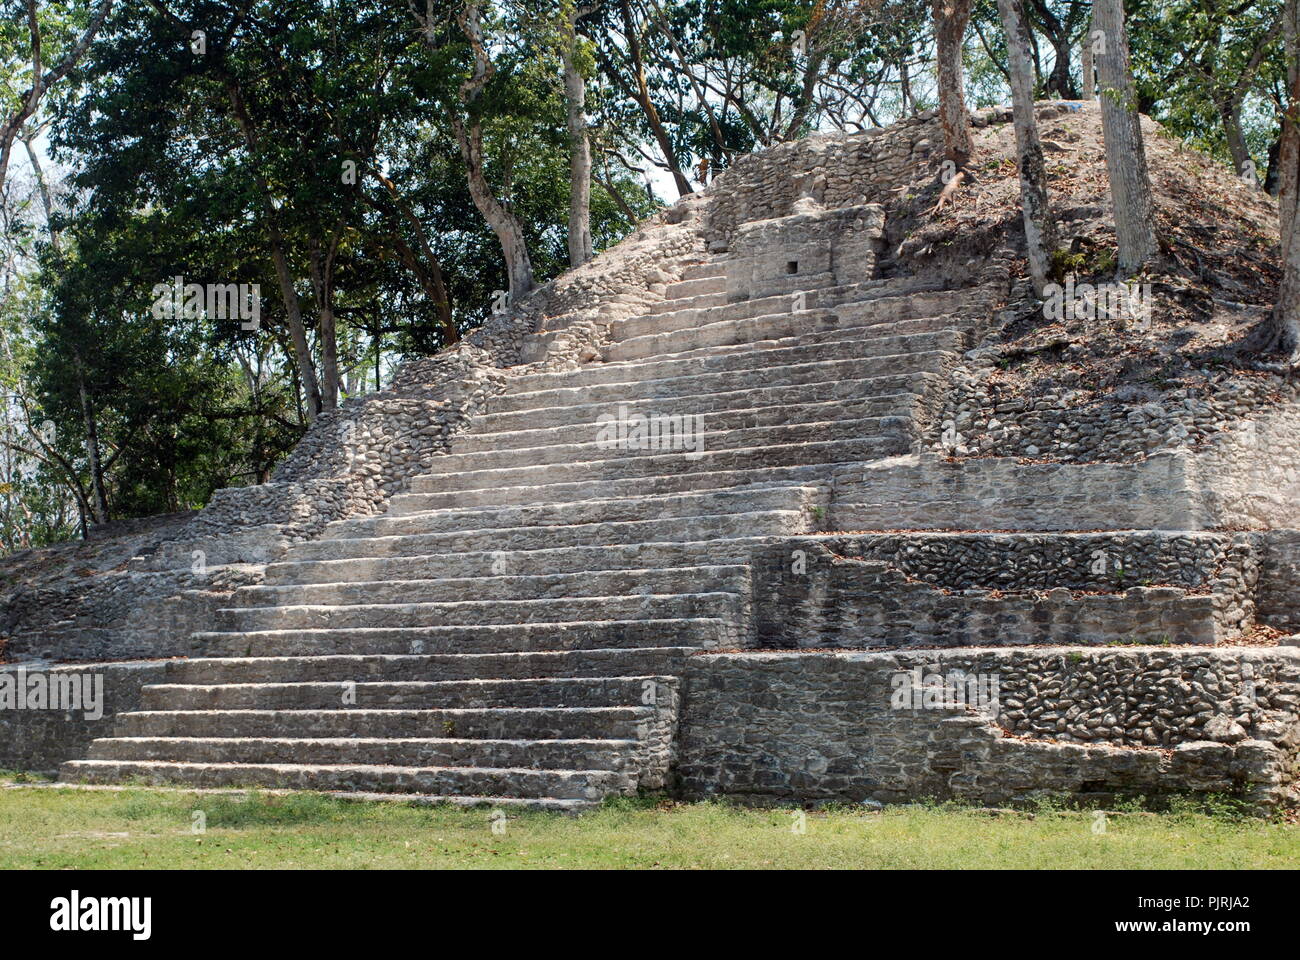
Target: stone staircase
512, 629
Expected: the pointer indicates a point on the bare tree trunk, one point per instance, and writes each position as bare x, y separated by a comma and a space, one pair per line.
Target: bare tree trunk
1126, 160
1040, 228
1229, 103
1273, 176
1285, 332
575, 98
506, 226
322, 281
1230, 114
641, 94
1060, 81
1089, 68
283, 276
293, 312
432, 283
430, 276
99, 503
47, 202
950, 20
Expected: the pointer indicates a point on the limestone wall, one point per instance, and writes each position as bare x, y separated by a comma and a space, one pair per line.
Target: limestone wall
782, 728
930, 492
808, 596
40, 740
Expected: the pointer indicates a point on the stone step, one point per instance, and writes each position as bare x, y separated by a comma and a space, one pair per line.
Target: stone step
702, 384
548, 804
868, 337
399, 695
503, 539
534, 487
550, 723
411, 752
673, 315
905, 406
612, 662
686, 303
879, 393
680, 435
456, 781
835, 344
704, 268
928, 492
696, 287
480, 612
603, 583
658, 344
676, 470
701, 632
404, 506
515, 562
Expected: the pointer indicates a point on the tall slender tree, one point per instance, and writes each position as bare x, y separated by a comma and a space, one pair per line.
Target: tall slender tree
1284, 328
1126, 159
1040, 228
1089, 65
573, 57
950, 20
468, 126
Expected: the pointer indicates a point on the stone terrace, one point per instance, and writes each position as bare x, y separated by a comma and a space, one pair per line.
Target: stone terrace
534, 606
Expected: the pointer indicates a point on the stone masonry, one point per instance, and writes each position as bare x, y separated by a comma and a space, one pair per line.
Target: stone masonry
683, 518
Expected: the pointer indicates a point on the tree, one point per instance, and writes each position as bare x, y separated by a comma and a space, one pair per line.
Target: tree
574, 56
42, 80
1089, 66
950, 20
1040, 228
1060, 28
1126, 162
467, 122
1282, 332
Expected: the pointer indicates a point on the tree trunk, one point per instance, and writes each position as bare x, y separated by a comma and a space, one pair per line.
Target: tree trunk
641, 94
283, 276
950, 20
1040, 228
99, 502
430, 276
42, 79
1286, 315
47, 202
298, 332
469, 135
1089, 68
322, 281
1230, 114
1060, 82
575, 98
1126, 160
432, 283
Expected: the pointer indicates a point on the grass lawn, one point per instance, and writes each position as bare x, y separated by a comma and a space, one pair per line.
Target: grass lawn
56, 829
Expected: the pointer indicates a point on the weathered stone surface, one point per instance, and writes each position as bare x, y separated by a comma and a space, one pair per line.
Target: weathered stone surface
459, 586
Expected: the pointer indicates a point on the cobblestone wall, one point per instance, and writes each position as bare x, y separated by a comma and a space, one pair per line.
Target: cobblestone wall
41, 739
783, 728
950, 592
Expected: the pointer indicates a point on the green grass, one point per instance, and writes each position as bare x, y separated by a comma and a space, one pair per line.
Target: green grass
58, 829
